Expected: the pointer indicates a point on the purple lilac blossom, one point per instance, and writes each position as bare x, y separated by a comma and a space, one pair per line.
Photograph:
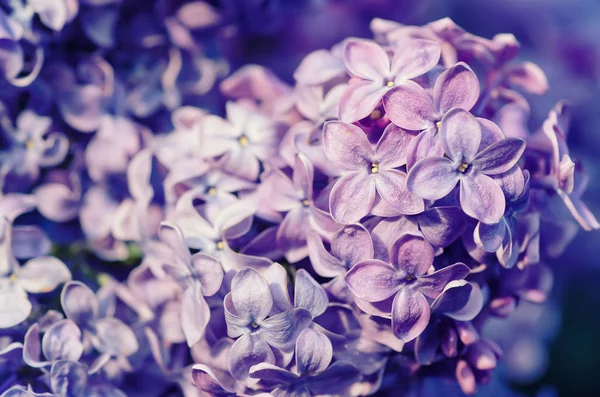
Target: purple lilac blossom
355, 232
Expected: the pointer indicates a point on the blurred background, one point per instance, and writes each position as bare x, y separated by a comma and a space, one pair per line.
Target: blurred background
563, 38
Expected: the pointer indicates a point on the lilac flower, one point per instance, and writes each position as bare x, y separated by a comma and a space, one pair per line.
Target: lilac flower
33, 146
376, 73
370, 172
350, 245
321, 66
244, 139
314, 376
211, 228
108, 334
411, 107
502, 237
62, 341
439, 225
199, 274
480, 196
38, 275
406, 281
296, 197
247, 309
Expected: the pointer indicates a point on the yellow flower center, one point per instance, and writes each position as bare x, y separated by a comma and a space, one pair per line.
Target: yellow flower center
463, 167
375, 114
306, 202
30, 144
13, 278
437, 125
212, 191
374, 168
220, 246
390, 83
243, 140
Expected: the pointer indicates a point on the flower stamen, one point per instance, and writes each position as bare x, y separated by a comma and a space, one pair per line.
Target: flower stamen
374, 168
243, 140
463, 167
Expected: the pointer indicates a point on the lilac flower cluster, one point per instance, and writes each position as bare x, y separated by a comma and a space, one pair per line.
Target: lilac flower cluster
353, 233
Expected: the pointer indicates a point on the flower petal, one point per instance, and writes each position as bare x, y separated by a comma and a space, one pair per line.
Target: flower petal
442, 225
42, 274
457, 87
500, 157
303, 176
291, 235
319, 67
195, 314
246, 352
115, 337
461, 135
432, 178
323, 263
373, 280
409, 106
414, 58
433, 284
14, 304
281, 330
250, 295
209, 271
410, 314
346, 146
272, 375
366, 59
57, 202
29, 242
68, 378
391, 150
490, 237
172, 235
309, 294
62, 341
352, 197
359, 100
314, 352
391, 186
79, 302
411, 255
482, 198
352, 244
428, 143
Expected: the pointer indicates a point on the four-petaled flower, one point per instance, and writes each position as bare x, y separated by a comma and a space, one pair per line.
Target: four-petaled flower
247, 309
375, 73
369, 172
407, 281
480, 196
